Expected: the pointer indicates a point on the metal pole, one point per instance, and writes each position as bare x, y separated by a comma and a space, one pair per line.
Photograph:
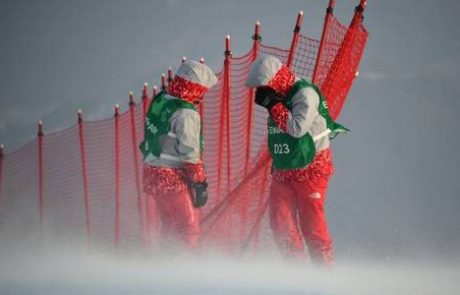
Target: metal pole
295, 39
327, 20
41, 196
85, 177
227, 63
140, 205
170, 76
117, 177
255, 52
359, 10
145, 98
163, 82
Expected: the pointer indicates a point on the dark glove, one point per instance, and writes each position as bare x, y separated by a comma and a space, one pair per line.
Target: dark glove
199, 192
267, 97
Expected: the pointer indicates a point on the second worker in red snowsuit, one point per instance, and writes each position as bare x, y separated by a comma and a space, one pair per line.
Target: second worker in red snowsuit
174, 173
299, 132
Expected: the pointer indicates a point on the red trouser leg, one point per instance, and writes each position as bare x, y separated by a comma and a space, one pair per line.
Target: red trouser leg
179, 216
283, 220
312, 219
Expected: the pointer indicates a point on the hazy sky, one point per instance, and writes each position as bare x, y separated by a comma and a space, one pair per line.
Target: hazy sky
397, 184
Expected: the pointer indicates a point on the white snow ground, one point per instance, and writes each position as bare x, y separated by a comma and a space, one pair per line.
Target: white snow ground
46, 269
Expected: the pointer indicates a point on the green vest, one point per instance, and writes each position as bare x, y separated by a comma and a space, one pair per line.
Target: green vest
157, 122
289, 152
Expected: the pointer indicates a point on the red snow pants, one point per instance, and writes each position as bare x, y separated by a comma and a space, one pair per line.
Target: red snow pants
178, 218
296, 209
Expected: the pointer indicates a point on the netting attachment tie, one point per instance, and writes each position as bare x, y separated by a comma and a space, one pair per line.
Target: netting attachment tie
256, 37
359, 8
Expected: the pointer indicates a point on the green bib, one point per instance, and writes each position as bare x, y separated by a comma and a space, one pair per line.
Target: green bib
289, 152
157, 122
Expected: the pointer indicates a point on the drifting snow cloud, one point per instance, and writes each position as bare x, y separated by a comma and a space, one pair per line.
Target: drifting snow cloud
58, 270
373, 76
447, 69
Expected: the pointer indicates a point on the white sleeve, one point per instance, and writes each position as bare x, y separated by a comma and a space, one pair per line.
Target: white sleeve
303, 112
187, 127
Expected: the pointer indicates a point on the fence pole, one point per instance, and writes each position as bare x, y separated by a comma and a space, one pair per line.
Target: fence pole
227, 94
140, 205
145, 98
324, 34
255, 52
117, 177
154, 94
223, 114
1, 176
359, 10
163, 82
170, 77
41, 196
295, 39
85, 177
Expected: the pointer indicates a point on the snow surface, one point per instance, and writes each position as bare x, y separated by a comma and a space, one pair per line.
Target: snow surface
58, 268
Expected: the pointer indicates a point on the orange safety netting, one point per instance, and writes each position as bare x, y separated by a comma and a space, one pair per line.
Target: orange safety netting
86, 180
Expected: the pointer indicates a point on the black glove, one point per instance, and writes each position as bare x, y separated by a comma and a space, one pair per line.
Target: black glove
267, 97
199, 191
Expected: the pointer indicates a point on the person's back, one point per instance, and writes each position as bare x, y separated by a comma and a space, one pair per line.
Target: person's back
299, 132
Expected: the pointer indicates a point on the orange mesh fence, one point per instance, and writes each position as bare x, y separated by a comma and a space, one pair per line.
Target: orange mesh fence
336, 77
87, 180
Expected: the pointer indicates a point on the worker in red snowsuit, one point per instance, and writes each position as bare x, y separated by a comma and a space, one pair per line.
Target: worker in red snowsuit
174, 172
299, 133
